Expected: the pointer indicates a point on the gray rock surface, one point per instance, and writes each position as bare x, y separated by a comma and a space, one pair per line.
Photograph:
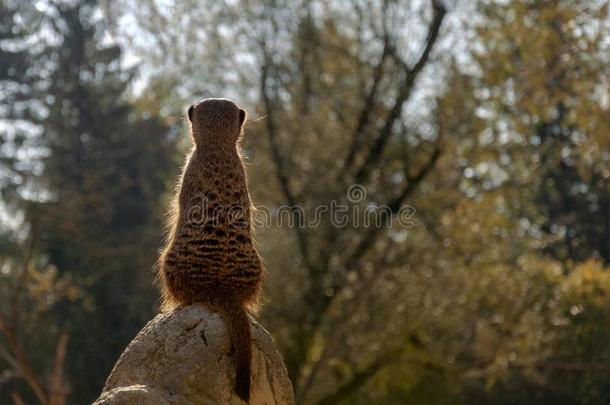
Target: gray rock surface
184, 357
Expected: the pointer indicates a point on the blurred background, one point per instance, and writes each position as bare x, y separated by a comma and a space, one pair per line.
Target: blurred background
489, 118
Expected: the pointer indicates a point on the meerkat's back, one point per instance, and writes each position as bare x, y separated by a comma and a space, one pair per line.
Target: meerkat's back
210, 256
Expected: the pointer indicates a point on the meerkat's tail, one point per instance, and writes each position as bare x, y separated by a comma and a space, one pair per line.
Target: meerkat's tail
240, 335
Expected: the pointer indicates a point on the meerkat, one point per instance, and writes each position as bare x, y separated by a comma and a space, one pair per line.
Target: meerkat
210, 257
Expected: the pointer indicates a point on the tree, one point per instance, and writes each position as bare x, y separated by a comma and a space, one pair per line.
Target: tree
17, 89
543, 66
337, 95
527, 154
97, 210
32, 347
471, 306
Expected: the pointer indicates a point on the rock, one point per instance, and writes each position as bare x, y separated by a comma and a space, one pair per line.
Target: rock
133, 395
183, 357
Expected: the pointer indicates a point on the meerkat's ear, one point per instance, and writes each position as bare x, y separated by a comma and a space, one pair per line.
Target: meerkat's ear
190, 112
242, 117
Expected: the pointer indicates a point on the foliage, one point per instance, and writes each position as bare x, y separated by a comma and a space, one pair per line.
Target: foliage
489, 119
93, 211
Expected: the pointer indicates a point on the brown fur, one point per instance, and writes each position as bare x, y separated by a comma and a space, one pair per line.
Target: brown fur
210, 257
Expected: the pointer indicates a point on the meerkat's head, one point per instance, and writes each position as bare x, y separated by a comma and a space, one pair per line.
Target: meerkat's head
216, 121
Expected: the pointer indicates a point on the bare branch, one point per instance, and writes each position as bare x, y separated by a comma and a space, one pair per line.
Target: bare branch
394, 206
280, 165
367, 108
24, 366
58, 389
341, 327
414, 181
17, 356
360, 378
17, 400
404, 93
8, 358
336, 337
